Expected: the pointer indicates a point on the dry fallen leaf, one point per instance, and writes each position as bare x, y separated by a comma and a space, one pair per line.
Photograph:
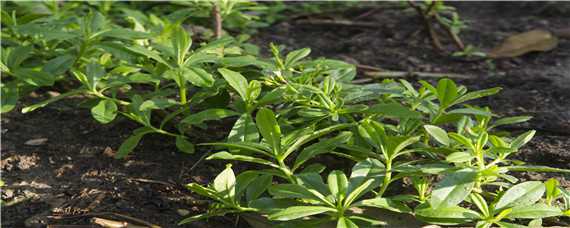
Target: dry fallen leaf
520, 44
36, 142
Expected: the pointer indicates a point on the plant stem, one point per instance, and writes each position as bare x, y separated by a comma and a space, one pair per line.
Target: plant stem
387, 177
217, 21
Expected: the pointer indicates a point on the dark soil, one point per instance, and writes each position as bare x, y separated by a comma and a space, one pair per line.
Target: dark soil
74, 172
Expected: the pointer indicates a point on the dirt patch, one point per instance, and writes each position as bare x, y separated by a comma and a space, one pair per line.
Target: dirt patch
74, 172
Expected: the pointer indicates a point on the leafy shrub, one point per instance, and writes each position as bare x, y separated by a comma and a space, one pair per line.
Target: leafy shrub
449, 152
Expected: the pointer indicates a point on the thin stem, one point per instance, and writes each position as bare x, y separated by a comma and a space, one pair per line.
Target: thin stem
387, 177
217, 21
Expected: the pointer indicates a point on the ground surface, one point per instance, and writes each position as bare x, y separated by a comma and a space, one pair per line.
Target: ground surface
74, 170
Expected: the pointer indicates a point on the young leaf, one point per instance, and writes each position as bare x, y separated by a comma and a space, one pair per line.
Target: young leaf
510, 120
296, 212
105, 111
446, 92
181, 43
184, 145
453, 189
522, 139
269, 128
236, 81
480, 202
295, 56
208, 114
338, 184
438, 134
522, 194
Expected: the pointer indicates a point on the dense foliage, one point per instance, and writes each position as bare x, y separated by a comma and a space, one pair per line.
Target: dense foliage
418, 149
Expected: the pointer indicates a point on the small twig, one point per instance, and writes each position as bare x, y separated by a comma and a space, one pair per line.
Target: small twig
135, 220
403, 74
143, 180
338, 23
199, 161
367, 67
217, 21
428, 23
451, 34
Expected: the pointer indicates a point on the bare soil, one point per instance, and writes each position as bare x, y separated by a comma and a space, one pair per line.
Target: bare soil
73, 172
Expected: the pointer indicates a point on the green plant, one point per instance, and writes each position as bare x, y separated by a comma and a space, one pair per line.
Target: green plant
471, 160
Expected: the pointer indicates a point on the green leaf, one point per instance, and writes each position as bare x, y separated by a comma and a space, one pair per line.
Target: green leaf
476, 94
294, 57
438, 134
510, 120
35, 78
59, 65
471, 111
269, 128
198, 76
385, 203
184, 145
18, 55
258, 187
459, 157
394, 110
324, 146
344, 222
522, 194
462, 140
534, 211
357, 192
126, 34
447, 215
296, 212
157, 103
536, 168
9, 96
453, 189
552, 190
292, 191
236, 81
105, 111
244, 130
480, 202
208, 114
522, 139
147, 53
338, 184
51, 100
181, 43
446, 92
128, 145
228, 156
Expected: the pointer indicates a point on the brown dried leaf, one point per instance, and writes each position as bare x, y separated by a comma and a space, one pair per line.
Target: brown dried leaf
520, 44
